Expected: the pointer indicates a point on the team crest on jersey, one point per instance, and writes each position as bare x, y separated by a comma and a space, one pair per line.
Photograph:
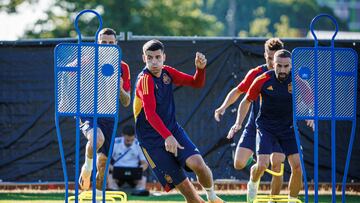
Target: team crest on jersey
168, 178
166, 79
290, 88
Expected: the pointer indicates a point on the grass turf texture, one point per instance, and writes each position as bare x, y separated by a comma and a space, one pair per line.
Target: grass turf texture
59, 197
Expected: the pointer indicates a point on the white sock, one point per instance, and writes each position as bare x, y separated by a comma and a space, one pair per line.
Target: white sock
253, 183
210, 193
98, 196
88, 164
98, 193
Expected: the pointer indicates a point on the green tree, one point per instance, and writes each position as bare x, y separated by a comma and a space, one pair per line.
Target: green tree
283, 29
298, 15
243, 16
259, 27
142, 17
10, 6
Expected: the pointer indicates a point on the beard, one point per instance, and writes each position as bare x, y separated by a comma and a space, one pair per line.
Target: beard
282, 77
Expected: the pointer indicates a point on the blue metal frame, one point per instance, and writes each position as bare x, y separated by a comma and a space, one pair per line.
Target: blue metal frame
79, 114
333, 117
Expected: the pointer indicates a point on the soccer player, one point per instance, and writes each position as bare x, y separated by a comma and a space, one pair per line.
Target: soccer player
274, 122
246, 145
164, 142
105, 126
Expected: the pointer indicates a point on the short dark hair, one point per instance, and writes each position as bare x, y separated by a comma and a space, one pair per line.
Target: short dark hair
273, 44
128, 130
282, 53
107, 31
153, 45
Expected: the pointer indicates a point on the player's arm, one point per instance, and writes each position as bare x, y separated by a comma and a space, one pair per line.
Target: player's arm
146, 92
308, 98
197, 80
125, 85
244, 105
241, 114
231, 98
235, 93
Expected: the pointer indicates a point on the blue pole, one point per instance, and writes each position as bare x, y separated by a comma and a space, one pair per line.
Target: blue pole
333, 124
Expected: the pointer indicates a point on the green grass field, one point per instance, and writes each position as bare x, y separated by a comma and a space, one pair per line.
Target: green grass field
173, 198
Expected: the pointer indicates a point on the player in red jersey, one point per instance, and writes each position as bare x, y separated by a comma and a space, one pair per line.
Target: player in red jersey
164, 142
105, 125
246, 145
274, 122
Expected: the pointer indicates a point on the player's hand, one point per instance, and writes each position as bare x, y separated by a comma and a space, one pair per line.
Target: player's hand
311, 124
234, 129
200, 60
218, 112
172, 145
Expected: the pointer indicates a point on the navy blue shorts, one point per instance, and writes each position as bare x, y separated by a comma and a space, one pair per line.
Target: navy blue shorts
286, 140
248, 140
106, 125
169, 169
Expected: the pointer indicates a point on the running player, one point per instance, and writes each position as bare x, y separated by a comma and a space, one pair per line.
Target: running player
164, 142
246, 145
105, 126
274, 122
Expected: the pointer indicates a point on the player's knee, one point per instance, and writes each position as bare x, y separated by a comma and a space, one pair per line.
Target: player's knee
99, 138
199, 167
239, 164
277, 158
296, 169
276, 166
261, 167
197, 164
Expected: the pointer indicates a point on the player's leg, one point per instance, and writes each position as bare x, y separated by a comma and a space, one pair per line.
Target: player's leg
276, 159
88, 131
264, 149
101, 164
295, 182
89, 145
188, 190
243, 158
245, 149
190, 158
246, 145
169, 173
196, 163
256, 172
107, 128
289, 146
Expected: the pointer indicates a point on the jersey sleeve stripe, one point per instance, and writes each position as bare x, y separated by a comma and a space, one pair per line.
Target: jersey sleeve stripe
146, 84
